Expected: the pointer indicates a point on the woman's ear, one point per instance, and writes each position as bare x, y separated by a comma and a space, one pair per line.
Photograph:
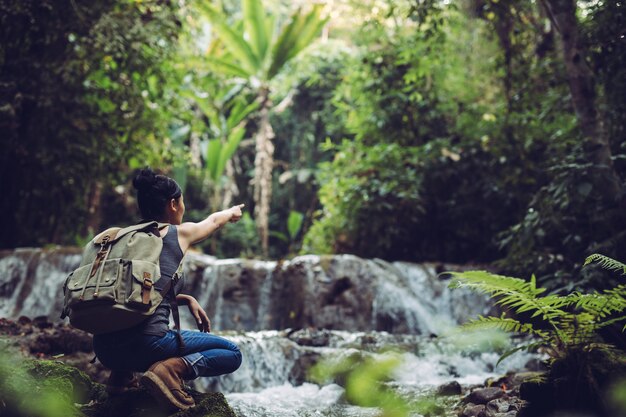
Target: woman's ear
173, 205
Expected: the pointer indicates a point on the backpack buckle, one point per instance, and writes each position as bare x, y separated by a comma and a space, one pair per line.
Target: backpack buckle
105, 241
147, 280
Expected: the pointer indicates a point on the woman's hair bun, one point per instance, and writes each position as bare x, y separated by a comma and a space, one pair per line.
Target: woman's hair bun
145, 179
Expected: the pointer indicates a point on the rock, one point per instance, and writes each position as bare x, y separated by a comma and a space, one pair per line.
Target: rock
42, 322
71, 392
536, 365
310, 337
300, 372
496, 408
484, 395
473, 410
61, 340
451, 388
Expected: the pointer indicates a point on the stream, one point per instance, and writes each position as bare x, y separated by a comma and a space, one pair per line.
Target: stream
287, 316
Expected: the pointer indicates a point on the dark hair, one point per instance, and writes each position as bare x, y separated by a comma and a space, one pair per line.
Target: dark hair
154, 191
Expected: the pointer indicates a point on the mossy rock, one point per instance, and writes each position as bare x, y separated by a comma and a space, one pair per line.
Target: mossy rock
64, 391
69, 381
138, 403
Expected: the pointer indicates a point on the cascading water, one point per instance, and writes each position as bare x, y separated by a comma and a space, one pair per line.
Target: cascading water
287, 316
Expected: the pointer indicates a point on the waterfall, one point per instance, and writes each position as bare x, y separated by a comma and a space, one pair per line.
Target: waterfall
340, 292
31, 281
286, 316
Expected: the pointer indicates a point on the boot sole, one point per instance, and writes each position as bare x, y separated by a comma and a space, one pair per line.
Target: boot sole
157, 388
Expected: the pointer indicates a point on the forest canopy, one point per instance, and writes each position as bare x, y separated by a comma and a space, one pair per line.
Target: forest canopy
453, 131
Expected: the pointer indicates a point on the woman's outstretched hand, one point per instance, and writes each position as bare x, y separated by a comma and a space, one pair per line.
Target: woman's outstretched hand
236, 213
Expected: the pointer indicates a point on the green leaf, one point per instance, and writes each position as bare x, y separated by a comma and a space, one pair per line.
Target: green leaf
279, 235
294, 223
228, 149
294, 37
233, 41
239, 112
212, 158
606, 263
226, 67
254, 25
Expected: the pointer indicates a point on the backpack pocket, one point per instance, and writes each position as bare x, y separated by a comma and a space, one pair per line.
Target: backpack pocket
85, 287
140, 288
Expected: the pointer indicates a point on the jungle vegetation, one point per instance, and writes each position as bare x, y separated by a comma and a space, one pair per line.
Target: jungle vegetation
467, 131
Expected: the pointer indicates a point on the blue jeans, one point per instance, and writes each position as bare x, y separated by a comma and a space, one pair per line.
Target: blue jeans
208, 355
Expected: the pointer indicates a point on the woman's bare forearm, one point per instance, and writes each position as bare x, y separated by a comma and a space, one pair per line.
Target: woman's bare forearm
190, 233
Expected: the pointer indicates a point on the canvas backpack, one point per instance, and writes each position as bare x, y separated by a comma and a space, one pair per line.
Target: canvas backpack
113, 288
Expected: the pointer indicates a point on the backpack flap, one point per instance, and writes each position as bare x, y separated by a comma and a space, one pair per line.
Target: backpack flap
109, 234
142, 294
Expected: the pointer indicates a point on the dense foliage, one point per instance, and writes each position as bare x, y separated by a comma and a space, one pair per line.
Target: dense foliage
83, 96
408, 130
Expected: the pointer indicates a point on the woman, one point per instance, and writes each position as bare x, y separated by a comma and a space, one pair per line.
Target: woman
152, 345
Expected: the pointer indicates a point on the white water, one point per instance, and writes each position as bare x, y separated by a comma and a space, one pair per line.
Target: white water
408, 299
263, 385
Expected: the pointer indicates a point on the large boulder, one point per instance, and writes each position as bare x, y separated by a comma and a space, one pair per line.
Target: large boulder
62, 390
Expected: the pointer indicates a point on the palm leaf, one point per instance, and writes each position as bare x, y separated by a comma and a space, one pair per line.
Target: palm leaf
212, 158
294, 37
233, 40
239, 112
226, 67
294, 223
312, 26
228, 150
254, 18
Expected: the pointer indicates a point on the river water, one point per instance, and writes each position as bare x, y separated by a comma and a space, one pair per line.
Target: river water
288, 316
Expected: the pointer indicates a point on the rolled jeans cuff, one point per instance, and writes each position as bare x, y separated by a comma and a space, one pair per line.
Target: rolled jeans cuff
192, 360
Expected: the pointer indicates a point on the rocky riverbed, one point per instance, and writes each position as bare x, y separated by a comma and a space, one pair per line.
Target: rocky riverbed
56, 346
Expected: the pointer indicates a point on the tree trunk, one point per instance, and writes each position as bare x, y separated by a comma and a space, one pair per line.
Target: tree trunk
94, 200
562, 14
263, 164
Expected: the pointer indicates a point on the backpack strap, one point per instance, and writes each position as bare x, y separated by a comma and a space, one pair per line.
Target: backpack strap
169, 288
116, 233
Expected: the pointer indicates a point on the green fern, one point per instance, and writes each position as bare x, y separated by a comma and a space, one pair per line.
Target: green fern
606, 263
571, 320
519, 295
506, 324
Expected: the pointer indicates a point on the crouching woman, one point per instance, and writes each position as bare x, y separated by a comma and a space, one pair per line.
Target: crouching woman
151, 347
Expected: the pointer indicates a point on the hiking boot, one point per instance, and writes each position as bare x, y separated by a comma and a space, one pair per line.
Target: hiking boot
164, 381
121, 381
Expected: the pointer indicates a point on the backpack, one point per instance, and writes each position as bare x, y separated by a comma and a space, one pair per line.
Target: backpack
113, 288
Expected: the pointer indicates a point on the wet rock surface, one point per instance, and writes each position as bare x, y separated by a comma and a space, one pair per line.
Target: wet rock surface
341, 292
451, 388
500, 399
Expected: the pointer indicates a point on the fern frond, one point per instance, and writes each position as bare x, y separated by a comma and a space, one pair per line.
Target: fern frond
606, 263
578, 328
505, 324
600, 305
612, 321
528, 348
517, 294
